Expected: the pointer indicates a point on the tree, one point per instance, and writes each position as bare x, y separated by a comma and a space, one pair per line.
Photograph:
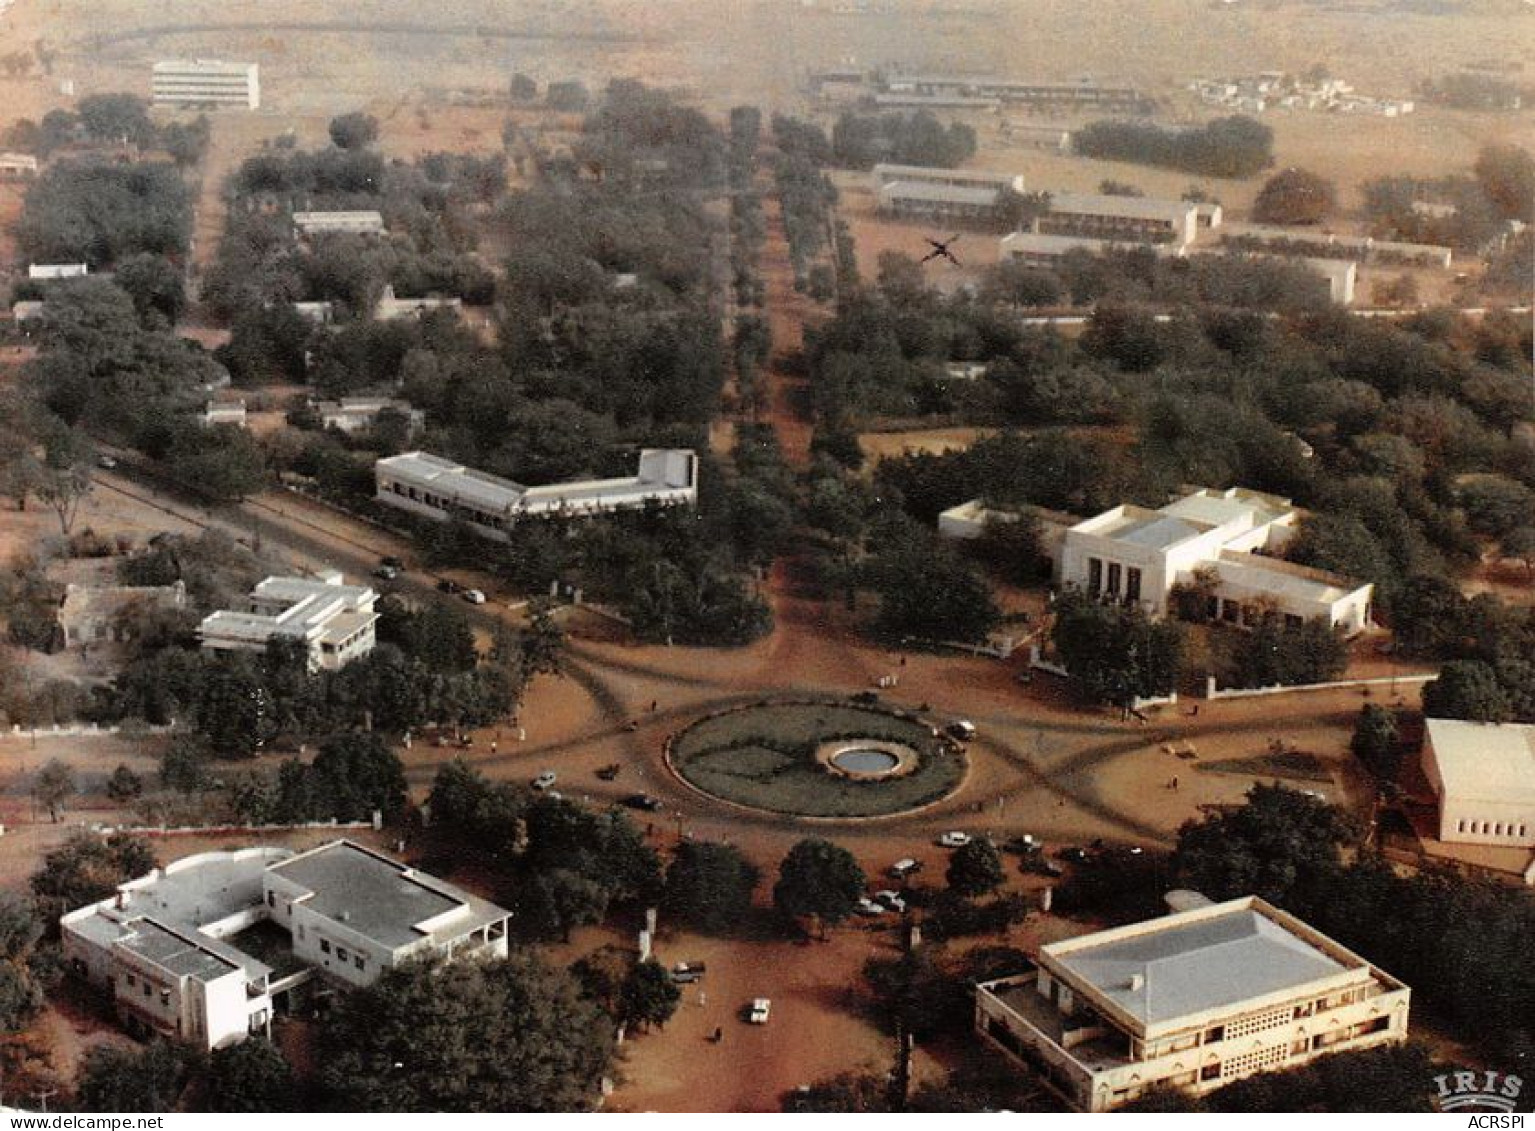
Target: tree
124, 785
1507, 175
87, 868
1115, 653
64, 479
1377, 741
541, 647
522, 88
250, 1077
506, 1035
21, 998
1280, 838
1520, 543
156, 286
567, 97
1467, 689
133, 1079
926, 590
184, 763
355, 773
1294, 196
54, 785
975, 869
649, 995
709, 886
354, 131
818, 878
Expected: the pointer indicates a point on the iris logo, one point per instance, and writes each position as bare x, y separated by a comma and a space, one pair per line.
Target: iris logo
1477, 1091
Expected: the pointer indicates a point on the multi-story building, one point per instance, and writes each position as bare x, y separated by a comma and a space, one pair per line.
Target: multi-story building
1484, 777
1193, 1000
1137, 555
178, 949
1136, 219
924, 201
440, 489
1038, 250
206, 82
17, 166
885, 174
335, 622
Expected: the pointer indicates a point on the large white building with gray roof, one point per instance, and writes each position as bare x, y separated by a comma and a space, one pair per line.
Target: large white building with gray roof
1484, 777
200, 951
333, 621
1193, 1000
440, 489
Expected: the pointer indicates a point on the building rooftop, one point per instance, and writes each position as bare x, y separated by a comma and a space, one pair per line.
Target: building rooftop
946, 194
1484, 760
202, 67
1042, 243
1141, 527
379, 898
890, 172
1284, 579
183, 955
1197, 961
1206, 504
1096, 204
658, 471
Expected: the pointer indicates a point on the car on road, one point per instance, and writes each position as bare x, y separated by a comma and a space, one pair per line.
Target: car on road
473, 596
545, 780
890, 899
386, 573
642, 801
866, 906
1075, 854
449, 586
106, 463
961, 729
1025, 844
685, 973
954, 840
609, 772
760, 1009
903, 868
392, 561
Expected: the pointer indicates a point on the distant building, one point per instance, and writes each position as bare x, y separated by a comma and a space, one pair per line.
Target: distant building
964, 370
970, 520
390, 306
1035, 249
368, 222
1277, 240
1135, 555
206, 82
1138, 219
886, 174
28, 310
1055, 138
438, 488
51, 271
335, 622
1193, 1000
97, 613
319, 313
1341, 276
1088, 95
17, 166
352, 414
935, 102
921, 200
202, 950
1208, 214
223, 412
1484, 777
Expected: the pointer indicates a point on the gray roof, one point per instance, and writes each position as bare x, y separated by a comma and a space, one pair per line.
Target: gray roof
1141, 207
378, 898
1191, 967
983, 197
176, 953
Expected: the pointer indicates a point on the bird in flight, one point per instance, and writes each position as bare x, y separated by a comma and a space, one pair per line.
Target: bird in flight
941, 250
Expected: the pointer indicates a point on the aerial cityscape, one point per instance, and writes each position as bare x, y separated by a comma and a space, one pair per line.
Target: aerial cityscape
767, 556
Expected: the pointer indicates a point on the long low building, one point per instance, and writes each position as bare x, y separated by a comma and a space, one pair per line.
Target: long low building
352, 414
206, 82
364, 221
440, 489
1040, 250
1332, 245
200, 951
884, 174
1484, 777
333, 621
938, 202
1138, 218
1193, 1001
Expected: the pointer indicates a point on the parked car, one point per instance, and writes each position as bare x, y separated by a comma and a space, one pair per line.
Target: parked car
1075, 854
890, 899
392, 562
961, 729
866, 906
386, 573
473, 596
685, 973
1025, 844
106, 463
903, 868
760, 1009
449, 586
954, 839
1041, 865
545, 780
642, 801
609, 772
867, 698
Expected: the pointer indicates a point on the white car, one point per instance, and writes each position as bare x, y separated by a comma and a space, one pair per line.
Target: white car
890, 899
473, 596
545, 780
903, 868
866, 906
954, 840
761, 1007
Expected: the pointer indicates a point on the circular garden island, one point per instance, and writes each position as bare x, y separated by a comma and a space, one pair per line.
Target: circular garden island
818, 759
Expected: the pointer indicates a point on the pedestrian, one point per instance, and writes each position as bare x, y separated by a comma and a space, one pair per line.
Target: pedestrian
719, 1034
654, 704
1175, 783
493, 746
522, 734
703, 999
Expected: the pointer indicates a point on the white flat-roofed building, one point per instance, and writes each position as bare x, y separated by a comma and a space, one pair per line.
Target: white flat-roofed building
17, 166
1208, 214
938, 202
1039, 250
1484, 777
885, 174
367, 222
92, 613
1137, 555
320, 313
28, 310
178, 949
335, 622
206, 82
1193, 1000
970, 520
1057, 138
391, 306
440, 489
354, 913
50, 271
223, 412
1341, 276
1138, 219
352, 414
936, 101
